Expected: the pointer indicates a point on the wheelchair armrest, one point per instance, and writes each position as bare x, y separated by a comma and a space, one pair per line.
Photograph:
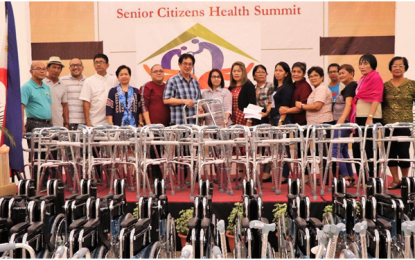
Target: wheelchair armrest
370, 224
3, 222
245, 223
142, 224
316, 223
163, 197
128, 222
19, 228
83, 197
383, 223
91, 224
193, 222
205, 223
107, 197
300, 222
37, 197
383, 197
71, 197
48, 198
35, 227
351, 196
395, 196
77, 224
265, 220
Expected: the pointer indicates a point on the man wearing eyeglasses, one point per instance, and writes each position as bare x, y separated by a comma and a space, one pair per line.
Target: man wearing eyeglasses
74, 82
182, 89
154, 110
335, 85
58, 90
94, 93
36, 102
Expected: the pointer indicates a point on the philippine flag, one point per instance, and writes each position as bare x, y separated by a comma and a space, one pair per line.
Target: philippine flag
10, 77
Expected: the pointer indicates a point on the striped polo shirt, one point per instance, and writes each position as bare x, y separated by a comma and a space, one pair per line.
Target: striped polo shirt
75, 105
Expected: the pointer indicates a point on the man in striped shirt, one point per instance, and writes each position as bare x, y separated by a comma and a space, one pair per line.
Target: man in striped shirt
74, 82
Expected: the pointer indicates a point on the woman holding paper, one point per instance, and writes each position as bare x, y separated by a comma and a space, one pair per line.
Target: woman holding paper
264, 91
243, 93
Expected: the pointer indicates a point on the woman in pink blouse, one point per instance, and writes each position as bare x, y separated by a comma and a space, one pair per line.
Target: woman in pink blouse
217, 90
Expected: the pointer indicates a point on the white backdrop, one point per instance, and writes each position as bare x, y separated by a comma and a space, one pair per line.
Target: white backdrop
288, 38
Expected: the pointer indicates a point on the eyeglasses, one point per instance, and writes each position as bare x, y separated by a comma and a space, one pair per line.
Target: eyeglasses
157, 71
100, 62
398, 66
215, 77
75, 65
41, 69
333, 71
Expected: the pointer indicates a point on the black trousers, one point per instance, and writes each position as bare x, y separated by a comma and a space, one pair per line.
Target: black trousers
398, 149
361, 121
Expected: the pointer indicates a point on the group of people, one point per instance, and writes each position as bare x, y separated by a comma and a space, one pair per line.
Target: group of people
104, 99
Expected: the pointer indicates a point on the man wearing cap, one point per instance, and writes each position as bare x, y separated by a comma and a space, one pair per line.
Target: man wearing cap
60, 113
36, 102
74, 82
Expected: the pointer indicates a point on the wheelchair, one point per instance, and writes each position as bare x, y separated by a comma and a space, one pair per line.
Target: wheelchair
205, 238
252, 226
153, 233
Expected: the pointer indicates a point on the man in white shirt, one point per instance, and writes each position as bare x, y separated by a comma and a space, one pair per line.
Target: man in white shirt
94, 93
74, 82
60, 114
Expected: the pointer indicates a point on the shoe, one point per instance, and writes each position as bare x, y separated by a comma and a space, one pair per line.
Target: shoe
306, 179
239, 179
215, 181
269, 179
394, 185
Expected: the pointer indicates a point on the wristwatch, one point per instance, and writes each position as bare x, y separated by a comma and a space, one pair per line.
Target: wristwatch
370, 116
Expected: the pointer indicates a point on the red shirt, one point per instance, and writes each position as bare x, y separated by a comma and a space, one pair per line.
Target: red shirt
301, 93
152, 102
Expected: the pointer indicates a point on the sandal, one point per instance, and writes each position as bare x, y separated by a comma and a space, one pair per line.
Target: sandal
350, 183
394, 185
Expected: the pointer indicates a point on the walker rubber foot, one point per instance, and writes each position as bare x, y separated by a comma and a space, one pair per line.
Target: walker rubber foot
172, 192
221, 190
177, 188
322, 193
192, 198
184, 188
278, 192
273, 188
260, 194
230, 192
314, 197
237, 188
131, 188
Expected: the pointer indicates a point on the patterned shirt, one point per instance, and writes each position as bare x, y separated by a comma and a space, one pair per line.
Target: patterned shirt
397, 102
264, 95
223, 95
238, 116
178, 87
75, 105
322, 94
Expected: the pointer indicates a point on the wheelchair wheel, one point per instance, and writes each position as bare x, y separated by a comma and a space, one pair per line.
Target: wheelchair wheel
99, 252
57, 231
171, 237
157, 251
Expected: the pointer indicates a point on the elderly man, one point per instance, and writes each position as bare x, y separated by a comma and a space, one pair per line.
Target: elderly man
181, 90
94, 93
74, 82
60, 114
36, 102
153, 107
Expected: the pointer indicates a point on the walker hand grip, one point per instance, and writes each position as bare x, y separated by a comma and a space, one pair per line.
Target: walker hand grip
114, 142
82, 252
7, 247
220, 226
62, 143
261, 225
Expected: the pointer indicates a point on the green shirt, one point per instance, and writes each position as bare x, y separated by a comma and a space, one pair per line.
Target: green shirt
37, 100
397, 102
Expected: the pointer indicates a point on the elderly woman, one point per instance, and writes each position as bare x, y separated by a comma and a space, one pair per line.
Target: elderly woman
366, 108
398, 97
216, 84
318, 107
341, 112
122, 103
264, 91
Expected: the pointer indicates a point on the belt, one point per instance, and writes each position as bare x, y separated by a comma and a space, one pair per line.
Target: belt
47, 121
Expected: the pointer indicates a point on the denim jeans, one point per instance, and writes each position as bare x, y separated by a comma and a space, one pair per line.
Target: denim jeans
344, 168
